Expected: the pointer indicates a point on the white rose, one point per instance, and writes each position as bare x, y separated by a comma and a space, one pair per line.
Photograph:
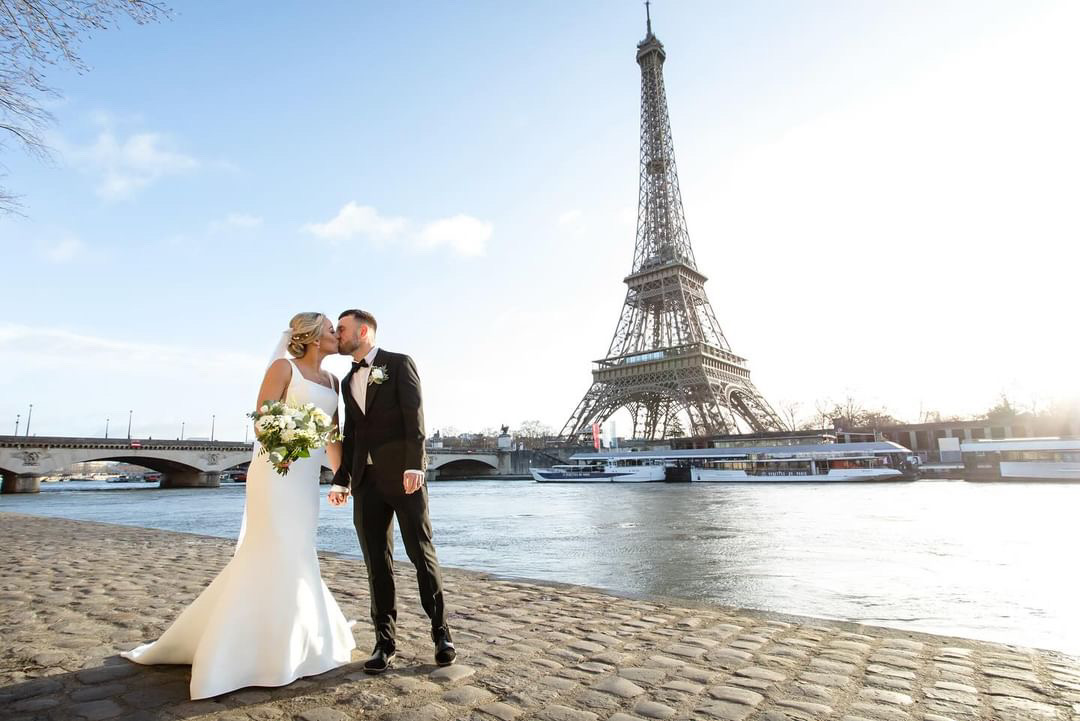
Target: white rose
288, 436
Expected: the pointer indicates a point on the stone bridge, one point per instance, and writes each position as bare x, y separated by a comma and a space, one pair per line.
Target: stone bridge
190, 464
456, 463
182, 464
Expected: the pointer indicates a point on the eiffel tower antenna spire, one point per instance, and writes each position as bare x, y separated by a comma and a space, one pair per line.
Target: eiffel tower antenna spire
669, 364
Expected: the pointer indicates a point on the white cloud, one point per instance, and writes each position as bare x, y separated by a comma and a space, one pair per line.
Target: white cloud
46, 346
126, 166
65, 250
463, 234
355, 221
236, 221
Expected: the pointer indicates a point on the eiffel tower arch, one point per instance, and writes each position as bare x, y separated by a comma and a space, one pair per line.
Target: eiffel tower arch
668, 364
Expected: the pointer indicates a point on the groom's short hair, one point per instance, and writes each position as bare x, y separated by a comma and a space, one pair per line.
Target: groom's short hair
362, 316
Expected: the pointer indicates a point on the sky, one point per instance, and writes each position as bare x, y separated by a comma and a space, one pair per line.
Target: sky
882, 195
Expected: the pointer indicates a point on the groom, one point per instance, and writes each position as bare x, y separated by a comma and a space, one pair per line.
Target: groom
383, 465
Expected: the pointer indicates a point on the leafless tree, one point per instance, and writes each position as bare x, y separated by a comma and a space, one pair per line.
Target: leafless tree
1003, 412
533, 434
532, 429
850, 414
791, 414
36, 35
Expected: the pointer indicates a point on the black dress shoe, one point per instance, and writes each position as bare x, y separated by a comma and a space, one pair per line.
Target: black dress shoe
445, 653
380, 660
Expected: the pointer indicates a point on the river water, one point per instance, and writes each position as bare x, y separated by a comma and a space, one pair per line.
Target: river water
993, 561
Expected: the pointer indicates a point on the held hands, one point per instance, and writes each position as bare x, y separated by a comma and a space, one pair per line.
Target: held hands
413, 480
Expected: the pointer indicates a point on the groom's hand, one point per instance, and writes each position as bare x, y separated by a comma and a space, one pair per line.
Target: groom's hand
338, 498
413, 481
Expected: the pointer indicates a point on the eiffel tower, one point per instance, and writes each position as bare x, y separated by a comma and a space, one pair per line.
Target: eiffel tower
669, 360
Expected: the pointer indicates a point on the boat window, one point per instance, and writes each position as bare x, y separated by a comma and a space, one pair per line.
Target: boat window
1044, 456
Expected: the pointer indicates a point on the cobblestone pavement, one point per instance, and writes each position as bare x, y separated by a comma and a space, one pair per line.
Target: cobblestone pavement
74, 594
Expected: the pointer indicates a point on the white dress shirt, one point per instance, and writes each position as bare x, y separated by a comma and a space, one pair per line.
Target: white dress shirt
358, 385
359, 382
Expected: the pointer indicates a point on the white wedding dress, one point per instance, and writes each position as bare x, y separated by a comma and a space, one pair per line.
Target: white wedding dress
268, 618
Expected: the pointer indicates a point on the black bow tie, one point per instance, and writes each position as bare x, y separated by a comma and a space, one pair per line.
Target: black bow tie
357, 365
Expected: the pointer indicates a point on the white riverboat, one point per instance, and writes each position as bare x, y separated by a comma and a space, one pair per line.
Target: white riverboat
797, 463
819, 463
1022, 459
601, 470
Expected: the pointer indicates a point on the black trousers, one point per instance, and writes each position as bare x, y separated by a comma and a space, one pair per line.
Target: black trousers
373, 516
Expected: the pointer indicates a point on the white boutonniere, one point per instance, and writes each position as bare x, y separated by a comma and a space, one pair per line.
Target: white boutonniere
378, 375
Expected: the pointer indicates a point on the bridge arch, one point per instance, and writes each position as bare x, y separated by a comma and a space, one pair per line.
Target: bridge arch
181, 463
161, 465
465, 468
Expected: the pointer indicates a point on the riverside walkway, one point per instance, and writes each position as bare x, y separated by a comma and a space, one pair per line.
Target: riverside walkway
74, 594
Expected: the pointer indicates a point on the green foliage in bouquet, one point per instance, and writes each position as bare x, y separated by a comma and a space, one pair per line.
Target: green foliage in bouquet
288, 433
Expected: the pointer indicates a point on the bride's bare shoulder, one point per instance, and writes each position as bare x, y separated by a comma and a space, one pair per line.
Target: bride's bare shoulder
280, 369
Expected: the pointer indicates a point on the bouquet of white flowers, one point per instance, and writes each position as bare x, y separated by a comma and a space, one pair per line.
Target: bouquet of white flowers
287, 433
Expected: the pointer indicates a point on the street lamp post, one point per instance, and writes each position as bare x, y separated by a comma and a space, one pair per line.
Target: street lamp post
17, 417
106, 427
129, 424
181, 430
28, 417
213, 420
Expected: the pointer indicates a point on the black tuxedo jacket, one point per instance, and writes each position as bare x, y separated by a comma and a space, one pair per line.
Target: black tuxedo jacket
390, 428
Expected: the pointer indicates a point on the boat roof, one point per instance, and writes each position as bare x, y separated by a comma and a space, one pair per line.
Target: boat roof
1021, 444
802, 449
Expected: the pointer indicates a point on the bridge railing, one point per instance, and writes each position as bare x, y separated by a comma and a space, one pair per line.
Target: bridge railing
463, 451
126, 444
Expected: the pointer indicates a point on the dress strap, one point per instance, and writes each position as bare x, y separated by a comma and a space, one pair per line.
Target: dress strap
295, 370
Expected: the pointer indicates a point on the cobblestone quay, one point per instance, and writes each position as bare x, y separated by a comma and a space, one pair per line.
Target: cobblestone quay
75, 594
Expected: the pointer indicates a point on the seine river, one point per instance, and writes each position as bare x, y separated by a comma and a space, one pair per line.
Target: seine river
994, 561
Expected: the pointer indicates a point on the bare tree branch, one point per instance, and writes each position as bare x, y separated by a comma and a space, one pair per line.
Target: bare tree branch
36, 35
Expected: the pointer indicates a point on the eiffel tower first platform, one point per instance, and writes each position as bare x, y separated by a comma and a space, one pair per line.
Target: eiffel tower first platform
669, 362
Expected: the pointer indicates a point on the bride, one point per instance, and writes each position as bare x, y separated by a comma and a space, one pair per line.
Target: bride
268, 618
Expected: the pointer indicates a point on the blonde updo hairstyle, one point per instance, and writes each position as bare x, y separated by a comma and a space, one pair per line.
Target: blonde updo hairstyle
306, 329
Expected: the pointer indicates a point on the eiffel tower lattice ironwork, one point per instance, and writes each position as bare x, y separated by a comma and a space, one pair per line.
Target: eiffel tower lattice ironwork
668, 360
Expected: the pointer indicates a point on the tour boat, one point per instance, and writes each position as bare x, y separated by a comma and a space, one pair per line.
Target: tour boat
807, 463
794, 463
601, 471
123, 479
821, 467
1022, 459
